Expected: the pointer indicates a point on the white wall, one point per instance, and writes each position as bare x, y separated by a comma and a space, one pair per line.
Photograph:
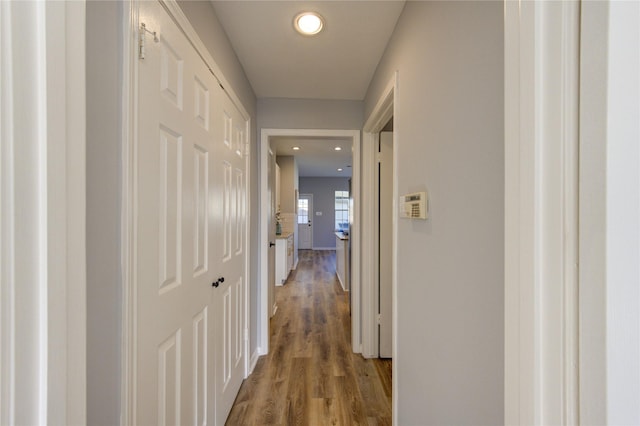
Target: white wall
449, 127
610, 214
323, 190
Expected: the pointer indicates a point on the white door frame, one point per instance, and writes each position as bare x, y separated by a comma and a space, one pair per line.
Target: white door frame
42, 213
129, 191
541, 212
310, 198
385, 109
609, 213
263, 238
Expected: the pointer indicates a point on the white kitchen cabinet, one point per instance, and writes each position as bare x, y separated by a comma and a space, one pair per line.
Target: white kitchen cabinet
342, 259
284, 257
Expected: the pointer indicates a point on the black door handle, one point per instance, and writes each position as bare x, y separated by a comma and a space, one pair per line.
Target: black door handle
271, 244
217, 282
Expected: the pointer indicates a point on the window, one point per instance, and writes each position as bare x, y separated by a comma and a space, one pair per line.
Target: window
342, 211
303, 210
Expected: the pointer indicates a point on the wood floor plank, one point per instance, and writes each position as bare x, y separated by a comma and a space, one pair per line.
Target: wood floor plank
311, 376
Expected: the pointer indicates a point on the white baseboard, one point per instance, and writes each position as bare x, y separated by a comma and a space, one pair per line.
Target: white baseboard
341, 283
295, 265
253, 360
324, 248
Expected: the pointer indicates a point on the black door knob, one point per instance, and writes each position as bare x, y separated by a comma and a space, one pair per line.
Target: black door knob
271, 244
215, 283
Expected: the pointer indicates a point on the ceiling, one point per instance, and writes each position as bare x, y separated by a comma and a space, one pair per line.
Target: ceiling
338, 63
317, 157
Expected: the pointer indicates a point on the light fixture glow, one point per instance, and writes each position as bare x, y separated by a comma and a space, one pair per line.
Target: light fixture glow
308, 23
296, 148
337, 148
339, 170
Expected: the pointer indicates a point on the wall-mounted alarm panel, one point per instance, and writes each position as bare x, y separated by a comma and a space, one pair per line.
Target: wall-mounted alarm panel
414, 206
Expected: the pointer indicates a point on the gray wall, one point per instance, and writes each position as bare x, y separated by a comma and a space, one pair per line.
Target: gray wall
323, 190
204, 20
309, 114
449, 122
104, 162
104, 296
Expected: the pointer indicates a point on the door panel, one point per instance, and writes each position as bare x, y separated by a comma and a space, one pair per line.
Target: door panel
190, 229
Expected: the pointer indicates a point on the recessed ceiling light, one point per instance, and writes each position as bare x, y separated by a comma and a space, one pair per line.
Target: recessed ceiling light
296, 148
339, 170
308, 23
337, 148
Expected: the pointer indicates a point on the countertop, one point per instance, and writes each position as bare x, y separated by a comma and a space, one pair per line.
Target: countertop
341, 235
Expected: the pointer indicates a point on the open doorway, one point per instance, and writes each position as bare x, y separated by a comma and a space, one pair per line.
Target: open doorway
340, 140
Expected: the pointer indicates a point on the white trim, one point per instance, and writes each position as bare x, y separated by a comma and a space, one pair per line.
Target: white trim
355, 237
247, 249
369, 288
323, 248
263, 237
386, 108
128, 397
42, 201
541, 159
253, 360
610, 213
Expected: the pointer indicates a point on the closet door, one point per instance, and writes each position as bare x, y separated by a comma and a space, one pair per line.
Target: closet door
190, 233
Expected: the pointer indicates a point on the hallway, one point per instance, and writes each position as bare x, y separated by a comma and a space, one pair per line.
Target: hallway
311, 376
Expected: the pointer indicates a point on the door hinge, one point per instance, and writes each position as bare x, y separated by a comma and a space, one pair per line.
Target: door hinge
379, 157
142, 37
379, 319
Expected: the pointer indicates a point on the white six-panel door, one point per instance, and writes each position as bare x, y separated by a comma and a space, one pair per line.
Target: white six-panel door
191, 221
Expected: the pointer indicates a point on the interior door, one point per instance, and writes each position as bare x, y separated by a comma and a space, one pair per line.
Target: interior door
174, 270
229, 222
385, 243
190, 234
305, 221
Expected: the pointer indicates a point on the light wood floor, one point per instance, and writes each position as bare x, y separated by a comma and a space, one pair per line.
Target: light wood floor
311, 376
